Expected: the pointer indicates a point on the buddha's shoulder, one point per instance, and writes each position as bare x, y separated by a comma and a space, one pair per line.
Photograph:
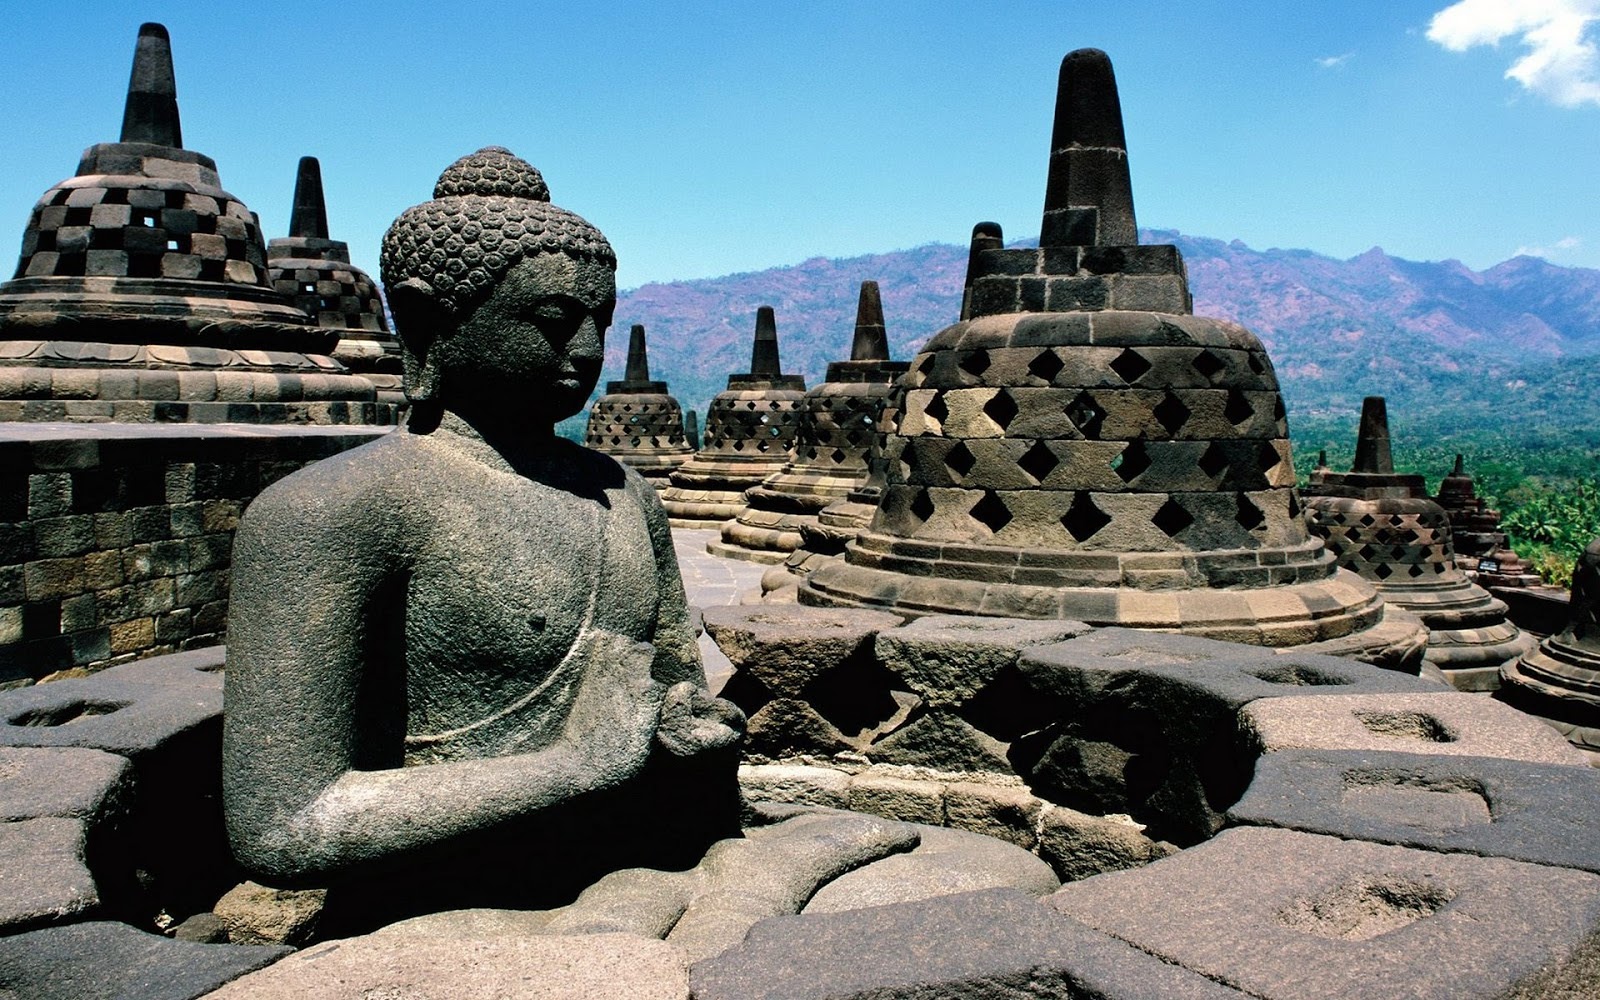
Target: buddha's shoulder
384, 474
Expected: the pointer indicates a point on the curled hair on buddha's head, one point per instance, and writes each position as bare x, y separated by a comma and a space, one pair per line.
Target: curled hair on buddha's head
490, 210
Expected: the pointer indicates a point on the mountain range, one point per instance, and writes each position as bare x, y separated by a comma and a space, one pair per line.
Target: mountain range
1510, 347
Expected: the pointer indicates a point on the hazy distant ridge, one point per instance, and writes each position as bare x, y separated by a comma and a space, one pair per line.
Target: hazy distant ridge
1424, 333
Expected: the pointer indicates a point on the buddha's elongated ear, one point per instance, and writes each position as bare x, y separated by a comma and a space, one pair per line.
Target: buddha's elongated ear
419, 318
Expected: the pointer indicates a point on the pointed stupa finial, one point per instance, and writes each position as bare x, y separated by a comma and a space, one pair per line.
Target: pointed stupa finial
871, 342
1088, 199
985, 236
1322, 458
1460, 469
310, 214
764, 353
638, 369
151, 114
1372, 441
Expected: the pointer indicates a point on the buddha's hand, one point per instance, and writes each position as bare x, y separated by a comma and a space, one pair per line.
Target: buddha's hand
613, 719
692, 721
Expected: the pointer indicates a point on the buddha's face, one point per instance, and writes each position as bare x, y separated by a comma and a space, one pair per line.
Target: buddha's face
540, 337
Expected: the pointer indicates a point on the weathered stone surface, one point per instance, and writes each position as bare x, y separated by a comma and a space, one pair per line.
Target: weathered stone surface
1079, 846
553, 692
133, 719
1009, 812
945, 863
45, 878
202, 928
774, 870
947, 659
1153, 729
475, 924
995, 943
62, 781
110, 961
945, 741
904, 799
798, 784
1478, 805
1288, 915
255, 914
786, 648
546, 968
192, 668
1445, 723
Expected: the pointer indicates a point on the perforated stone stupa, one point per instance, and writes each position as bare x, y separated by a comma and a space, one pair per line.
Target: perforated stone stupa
637, 422
750, 429
1560, 680
1383, 525
142, 291
315, 273
833, 445
1482, 550
1082, 447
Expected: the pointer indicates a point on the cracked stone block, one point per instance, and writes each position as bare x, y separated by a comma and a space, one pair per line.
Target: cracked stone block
1150, 721
1446, 723
110, 961
788, 647
1477, 805
993, 943
1290, 915
947, 659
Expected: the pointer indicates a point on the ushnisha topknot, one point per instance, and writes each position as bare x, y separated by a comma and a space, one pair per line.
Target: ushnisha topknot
490, 209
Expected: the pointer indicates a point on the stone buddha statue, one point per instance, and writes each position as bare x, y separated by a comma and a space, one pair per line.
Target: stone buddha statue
472, 632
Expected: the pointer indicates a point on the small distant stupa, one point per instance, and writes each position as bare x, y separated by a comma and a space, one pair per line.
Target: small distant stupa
749, 431
637, 422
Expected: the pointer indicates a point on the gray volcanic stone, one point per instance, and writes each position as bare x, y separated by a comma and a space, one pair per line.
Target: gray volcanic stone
947, 659
947, 862
474, 923
45, 879
190, 668
381, 966
1080, 846
62, 781
110, 961
108, 713
1446, 723
1153, 727
1292, 915
999, 944
774, 870
788, 647
1478, 805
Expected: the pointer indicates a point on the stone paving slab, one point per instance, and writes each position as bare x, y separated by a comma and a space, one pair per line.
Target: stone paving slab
1447, 723
998, 944
1283, 915
111, 961
1479, 805
61, 781
44, 878
712, 582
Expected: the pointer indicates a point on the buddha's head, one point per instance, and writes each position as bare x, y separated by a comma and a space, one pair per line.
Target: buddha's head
496, 293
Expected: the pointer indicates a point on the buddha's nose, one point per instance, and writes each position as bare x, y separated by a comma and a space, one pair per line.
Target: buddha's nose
586, 344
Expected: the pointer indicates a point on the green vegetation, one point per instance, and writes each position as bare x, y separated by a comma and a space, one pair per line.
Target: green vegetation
1544, 481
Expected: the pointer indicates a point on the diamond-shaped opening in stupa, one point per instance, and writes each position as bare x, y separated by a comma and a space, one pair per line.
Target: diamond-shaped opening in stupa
1172, 518
1083, 520
1038, 461
1171, 414
991, 512
1130, 366
1131, 462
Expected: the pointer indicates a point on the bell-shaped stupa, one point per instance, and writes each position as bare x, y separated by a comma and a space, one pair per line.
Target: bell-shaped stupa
1482, 550
315, 273
1560, 680
1382, 525
749, 431
832, 448
1083, 447
142, 293
637, 422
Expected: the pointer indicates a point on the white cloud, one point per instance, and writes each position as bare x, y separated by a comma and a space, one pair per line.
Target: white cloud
1561, 65
1333, 62
1555, 250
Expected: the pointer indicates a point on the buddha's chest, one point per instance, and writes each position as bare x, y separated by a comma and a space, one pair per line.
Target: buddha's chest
498, 597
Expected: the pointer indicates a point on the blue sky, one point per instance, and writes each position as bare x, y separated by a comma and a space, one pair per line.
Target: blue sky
707, 138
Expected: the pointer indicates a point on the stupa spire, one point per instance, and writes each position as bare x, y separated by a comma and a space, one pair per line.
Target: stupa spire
1088, 198
764, 352
151, 114
1372, 441
871, 341
638, 368
310, 215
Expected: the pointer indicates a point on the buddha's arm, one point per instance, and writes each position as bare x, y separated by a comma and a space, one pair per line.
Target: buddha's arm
315, 719
677, 654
